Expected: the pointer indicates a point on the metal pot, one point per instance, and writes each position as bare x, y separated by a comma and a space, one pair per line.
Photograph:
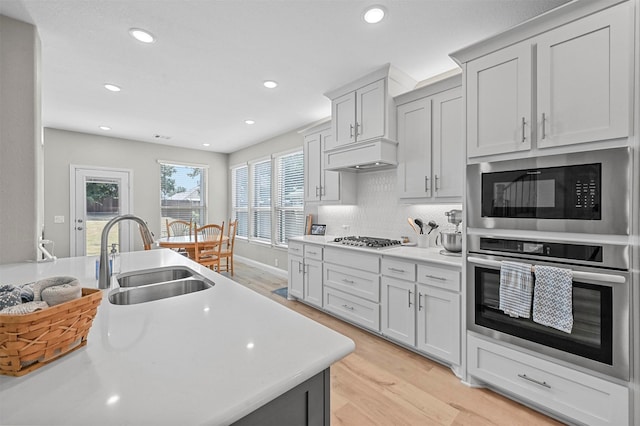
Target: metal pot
451, 241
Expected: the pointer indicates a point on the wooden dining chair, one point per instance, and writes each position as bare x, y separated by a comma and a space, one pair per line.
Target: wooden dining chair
208, 245
178, 227
227, 251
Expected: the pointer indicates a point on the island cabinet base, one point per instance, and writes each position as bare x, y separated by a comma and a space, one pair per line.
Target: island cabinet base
306, 404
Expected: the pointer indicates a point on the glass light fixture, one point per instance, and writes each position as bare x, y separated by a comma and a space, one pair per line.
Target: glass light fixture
374, 14
105, 128
206, 144
249, 121
270, 84
142, 35
112, 87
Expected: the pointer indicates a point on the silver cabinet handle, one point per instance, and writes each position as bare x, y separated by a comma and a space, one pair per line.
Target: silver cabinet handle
410, 293
294, 249
419, 301
323, 191
523, 135
435, 278
79, 228
436, 182
543, 126
317, 190
351, 131
401, 271
348, 281
351, 308
426, 184
358, 129
312, 252
300, 271
537, 382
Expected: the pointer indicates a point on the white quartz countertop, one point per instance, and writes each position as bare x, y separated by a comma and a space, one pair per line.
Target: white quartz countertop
209, 357
430, 254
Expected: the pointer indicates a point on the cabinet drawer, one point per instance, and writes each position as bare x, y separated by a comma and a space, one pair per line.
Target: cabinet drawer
312, 252
438, 276
569, 393
353, 259
399, 269
355, 309
296, 248
359, 283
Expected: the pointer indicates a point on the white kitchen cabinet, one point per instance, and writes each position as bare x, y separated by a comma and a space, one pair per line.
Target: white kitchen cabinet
305, 272
320, 184
398, 310
438, 320
430, 143
359, 115
499, 101
580, 91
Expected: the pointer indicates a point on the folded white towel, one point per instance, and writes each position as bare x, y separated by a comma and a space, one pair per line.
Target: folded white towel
552, 298
25, 308
516, 287
56, 290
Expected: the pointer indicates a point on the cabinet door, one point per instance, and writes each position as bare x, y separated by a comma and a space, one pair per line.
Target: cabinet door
296, 276
439, 323
499, 101
370, 111
414, 149
329, 180
398, 310
313, 282
583, 90
312, 167
343, 113
448, 158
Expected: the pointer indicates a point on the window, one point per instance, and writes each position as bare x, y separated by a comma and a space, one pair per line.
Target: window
261, 201
289, 200
240, 199
268, 198
182, 194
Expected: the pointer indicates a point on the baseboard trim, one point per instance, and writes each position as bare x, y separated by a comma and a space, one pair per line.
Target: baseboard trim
272, 269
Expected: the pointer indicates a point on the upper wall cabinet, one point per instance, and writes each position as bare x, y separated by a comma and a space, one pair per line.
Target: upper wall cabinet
364, 109
554, 85
430, 142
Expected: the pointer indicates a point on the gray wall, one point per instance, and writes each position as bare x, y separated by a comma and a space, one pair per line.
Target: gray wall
21, 210
263, 253
64, 148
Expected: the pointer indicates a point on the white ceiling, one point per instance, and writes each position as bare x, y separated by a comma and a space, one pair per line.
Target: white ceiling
203, 76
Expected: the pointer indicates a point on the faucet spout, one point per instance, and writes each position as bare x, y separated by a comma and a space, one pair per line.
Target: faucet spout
147, 239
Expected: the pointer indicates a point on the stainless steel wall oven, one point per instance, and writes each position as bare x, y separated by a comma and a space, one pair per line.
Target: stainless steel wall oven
601, 294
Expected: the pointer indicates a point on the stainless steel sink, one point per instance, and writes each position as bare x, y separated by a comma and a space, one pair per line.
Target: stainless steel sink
153, 276
163, 290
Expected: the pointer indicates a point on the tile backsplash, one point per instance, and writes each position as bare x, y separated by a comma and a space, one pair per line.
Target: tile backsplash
379, 212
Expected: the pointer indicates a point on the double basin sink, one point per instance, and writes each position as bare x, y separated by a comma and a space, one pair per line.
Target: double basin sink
155, 284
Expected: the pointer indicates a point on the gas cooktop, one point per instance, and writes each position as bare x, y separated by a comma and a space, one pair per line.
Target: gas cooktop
367, 242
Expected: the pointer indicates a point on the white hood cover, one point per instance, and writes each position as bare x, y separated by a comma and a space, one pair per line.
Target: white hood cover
373, 154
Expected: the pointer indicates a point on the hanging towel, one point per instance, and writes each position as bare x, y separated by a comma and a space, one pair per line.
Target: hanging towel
516, 287
552, 298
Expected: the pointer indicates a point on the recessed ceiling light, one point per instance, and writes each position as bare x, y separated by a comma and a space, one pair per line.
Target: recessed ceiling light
206, 144
270, 84
374, 14
112, 87
105, 128
249, 121
142, 35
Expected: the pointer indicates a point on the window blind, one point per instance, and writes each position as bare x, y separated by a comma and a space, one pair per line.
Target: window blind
240, 199
289, 199
261, 201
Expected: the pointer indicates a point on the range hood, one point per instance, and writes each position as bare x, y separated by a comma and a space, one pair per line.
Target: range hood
373, 154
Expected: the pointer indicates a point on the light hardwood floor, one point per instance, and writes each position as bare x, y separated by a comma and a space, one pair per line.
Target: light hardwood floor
384, 384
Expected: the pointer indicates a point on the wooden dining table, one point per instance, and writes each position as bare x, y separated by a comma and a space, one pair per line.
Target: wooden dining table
188, 242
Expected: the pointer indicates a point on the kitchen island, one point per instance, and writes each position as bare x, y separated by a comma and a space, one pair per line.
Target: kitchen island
209, 357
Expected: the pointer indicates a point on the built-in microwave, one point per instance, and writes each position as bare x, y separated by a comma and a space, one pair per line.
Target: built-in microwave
584, 192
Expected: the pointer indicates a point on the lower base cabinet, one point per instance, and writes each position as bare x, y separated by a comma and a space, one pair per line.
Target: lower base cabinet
438, 321
308, 404
570, 394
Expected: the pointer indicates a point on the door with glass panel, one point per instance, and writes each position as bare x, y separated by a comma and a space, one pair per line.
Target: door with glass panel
98, 195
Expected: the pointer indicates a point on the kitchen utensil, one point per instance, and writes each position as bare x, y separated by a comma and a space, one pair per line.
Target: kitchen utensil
451, 241
433, 225
412, 225
420, 224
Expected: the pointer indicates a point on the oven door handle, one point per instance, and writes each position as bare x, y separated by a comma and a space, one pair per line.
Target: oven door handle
591, 276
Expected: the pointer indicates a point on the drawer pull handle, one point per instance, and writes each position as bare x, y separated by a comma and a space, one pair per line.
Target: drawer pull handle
351, 308
435, 278
419, 301
348, 281
410, 293
312, 252
401, 271
537, 382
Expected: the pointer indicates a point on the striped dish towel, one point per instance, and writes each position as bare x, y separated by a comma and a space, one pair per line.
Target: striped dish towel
552, 298
516, 288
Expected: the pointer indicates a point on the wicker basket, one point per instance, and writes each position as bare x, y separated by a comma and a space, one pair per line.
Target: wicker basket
30, 341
